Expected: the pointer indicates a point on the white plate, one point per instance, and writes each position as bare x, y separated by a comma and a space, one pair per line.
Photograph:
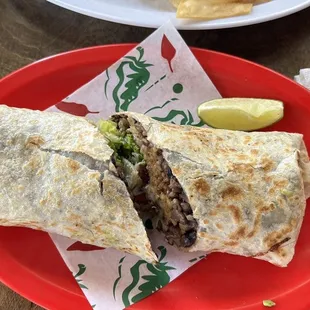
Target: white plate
153, 13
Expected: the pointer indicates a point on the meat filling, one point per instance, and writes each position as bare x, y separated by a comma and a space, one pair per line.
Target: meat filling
161, 188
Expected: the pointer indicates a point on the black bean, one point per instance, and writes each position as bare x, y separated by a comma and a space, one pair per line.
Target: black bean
172, 195
180, 209
141, 198
183, 197
191, 225
169, 172
113, 160
177, 216
186, 207
175, 186
143, 174
175, 202
189, 238
190, 217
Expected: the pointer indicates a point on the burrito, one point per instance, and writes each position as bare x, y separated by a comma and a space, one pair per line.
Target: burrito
215, 190
56, 175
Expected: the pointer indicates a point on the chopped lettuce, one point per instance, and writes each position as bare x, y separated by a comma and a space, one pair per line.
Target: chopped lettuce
131, 173
122, 143
108, 127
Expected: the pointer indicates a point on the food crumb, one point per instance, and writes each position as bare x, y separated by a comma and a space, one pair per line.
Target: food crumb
269, 303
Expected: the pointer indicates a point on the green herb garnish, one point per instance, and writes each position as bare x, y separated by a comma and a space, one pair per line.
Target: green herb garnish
122, 143
269, 303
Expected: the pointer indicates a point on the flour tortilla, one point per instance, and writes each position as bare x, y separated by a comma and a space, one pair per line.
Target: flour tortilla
56, 176
247, 191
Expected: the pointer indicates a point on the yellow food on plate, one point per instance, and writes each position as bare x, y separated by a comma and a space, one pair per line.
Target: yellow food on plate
213, 9
175, 3
261, 1
244, 114
202, 10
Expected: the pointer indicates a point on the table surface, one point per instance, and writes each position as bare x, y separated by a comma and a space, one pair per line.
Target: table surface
31, 30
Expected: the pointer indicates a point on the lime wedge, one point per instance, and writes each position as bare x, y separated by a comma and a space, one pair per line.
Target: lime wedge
241, 113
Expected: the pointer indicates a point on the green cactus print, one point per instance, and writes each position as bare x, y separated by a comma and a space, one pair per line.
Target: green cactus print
135, 273
197, 258
157, 278
156, 82
135, 81
119, 276
130, 84
187, 118
162, 106
82, 269
106, 84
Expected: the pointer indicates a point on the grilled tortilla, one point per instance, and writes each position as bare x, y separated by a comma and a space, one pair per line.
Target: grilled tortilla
56, 175
224, 191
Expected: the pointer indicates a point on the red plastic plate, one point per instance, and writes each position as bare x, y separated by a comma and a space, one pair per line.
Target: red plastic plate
30, 263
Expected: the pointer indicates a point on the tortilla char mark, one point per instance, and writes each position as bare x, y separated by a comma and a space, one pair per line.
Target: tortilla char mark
35, 141
240, 233
261, 208
231, 243
232, 193
201, 186
272, 214
73, 165
267, 164
236, 213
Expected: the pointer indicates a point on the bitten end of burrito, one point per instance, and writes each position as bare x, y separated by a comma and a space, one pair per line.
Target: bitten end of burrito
217, 190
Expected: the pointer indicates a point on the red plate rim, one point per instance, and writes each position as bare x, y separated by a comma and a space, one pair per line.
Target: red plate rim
126, 47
